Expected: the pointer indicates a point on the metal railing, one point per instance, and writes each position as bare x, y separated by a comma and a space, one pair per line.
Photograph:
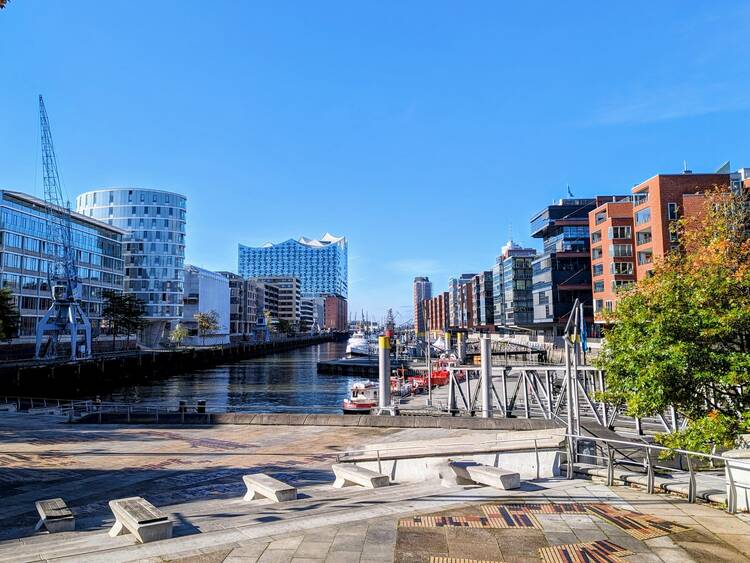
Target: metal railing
649, 465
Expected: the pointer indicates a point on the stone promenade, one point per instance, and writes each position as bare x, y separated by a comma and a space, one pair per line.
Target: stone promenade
194, 475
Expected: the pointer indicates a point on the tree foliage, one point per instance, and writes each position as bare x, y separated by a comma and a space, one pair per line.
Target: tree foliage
682, 336
208, 323
124, 313
9, 315
178, 334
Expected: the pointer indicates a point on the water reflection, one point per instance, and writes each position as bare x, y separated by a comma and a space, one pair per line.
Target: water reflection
286, 382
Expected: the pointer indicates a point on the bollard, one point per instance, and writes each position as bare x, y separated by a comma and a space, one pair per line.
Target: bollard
384, 372
460, 347
182, 406
486, 356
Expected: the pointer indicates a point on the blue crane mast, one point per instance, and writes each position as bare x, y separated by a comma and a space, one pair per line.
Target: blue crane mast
65, 315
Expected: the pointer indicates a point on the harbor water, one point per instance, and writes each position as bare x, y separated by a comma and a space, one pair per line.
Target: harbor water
285, 382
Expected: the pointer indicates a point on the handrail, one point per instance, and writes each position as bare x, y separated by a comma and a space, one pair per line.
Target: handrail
649, 465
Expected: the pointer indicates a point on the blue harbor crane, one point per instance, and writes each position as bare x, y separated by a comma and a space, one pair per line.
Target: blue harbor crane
65, 315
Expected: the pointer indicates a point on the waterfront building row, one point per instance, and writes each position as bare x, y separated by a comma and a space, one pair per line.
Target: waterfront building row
592, 249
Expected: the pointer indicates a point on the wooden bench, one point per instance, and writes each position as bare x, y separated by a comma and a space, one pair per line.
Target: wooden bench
55, 515
349, 474
497, 477
139, 517
260, 484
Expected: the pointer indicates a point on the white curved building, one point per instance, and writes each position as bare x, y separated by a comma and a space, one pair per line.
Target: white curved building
154, 248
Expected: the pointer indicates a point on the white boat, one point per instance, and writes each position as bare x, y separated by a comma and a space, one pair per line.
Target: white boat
363, 398
360, 344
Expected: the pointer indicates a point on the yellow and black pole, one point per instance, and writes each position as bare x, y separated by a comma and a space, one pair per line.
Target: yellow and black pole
384, 372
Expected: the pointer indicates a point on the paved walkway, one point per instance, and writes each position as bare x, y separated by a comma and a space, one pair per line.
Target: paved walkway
193, 474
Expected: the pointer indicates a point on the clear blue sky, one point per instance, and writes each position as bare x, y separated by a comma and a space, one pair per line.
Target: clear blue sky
420, 130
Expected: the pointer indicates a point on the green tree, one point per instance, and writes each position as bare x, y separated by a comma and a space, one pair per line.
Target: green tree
283, 326
682, 337
124, 313
208, 323
178, 334
9, 316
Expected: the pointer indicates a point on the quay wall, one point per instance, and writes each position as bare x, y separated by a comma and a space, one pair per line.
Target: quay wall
101, 373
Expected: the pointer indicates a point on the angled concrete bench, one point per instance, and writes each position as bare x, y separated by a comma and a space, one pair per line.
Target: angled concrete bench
54, 515
139, 517
497, 477
349, 474
260, 484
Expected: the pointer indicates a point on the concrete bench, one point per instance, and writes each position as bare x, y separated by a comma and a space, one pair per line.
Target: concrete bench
260, 484
497, 477
139, 517
349, 474
55, 515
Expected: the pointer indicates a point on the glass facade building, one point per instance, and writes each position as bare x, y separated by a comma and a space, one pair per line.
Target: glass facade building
512, 286
320, 265
154, 247
26, 255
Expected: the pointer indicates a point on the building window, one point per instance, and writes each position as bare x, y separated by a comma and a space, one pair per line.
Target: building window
643, 216
672, 211
598, 305
620, 250
608, 306
643, 237
622, 268
645, 257
620, 232
596, 236
600, 217
619, 285
596, 253
598, 286
597, 269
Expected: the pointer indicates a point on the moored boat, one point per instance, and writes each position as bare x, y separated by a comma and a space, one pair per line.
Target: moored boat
363, 398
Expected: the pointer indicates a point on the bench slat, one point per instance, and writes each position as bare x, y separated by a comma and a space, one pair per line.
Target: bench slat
142, 511
54, 509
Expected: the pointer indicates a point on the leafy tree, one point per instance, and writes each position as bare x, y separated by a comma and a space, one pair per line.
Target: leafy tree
9, 315
179, 333
208, 323
124, 313
283, 326
682, 336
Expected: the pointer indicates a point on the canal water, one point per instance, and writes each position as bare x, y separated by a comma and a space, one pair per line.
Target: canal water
286, 382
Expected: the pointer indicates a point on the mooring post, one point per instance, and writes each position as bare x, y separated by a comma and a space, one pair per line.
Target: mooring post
384, 372
486, 383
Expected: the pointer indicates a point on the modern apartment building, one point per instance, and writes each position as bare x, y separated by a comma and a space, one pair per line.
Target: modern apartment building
512, 286
154, 248
628, 235
422, 291
26, 255
289, 297
483, 302
270, 300
455, 315
246, 305
562, 272
466, 304
437, 309
205, 292
321, 266
306, 314
657, 205
612, 253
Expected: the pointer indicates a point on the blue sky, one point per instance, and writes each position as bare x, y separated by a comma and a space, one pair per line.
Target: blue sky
423, 131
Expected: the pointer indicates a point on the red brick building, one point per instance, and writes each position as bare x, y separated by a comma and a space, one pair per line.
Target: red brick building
627, 237
336, 313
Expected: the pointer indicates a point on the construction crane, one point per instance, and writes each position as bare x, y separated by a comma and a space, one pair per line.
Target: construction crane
65, 315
